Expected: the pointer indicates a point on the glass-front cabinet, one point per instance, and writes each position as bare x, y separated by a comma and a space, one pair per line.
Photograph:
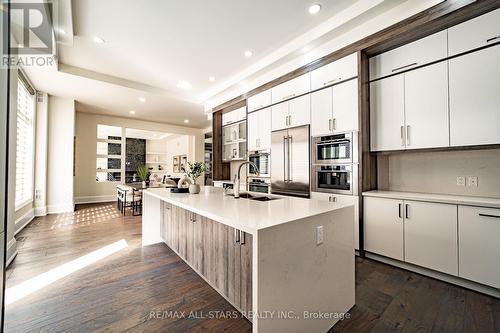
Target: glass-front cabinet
234, 141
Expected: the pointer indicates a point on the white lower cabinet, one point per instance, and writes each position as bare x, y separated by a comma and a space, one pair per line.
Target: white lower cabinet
420, 233
383, 222
430, 236
479, 245
342, 199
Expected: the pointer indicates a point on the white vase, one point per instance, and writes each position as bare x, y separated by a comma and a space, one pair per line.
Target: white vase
194, 188
144, 184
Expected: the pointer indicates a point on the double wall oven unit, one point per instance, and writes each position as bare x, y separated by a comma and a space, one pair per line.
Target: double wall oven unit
335, 164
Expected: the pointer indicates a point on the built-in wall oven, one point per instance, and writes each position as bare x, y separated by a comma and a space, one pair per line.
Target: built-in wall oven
334, 149
262, 160
335, 178
259, 185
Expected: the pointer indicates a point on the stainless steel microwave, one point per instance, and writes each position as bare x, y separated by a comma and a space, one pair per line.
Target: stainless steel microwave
335, 178
262, 160
336, 148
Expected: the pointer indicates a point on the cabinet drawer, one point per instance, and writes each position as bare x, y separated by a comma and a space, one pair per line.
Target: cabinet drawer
480, 31
479, 250
259, 101
335, 72
418, 53
293, 88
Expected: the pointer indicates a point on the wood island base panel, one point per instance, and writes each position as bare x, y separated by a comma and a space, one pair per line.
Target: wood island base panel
285, 270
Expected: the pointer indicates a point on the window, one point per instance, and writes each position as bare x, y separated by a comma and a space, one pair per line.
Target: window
109, 151
24, 144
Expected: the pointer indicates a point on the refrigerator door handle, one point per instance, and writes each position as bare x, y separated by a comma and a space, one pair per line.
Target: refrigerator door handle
285, 158
290, 171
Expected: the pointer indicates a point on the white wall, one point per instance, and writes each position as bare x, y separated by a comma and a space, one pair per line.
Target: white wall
86, 188
436, 172
61, 131
178, 145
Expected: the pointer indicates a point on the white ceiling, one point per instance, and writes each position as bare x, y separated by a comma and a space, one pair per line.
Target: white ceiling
151, 45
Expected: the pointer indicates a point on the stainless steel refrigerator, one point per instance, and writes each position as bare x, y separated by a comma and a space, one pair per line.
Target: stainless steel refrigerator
290, 162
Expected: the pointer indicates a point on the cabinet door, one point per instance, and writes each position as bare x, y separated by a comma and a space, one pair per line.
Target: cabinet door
479, 248
183, 221
383, 219
475, 98
426, 107
259, 101
234, 267
189, 232
300, 111
345, 106
198, 244
321, 112
475, 33
264, 129
431, 236
253, 131
166, 228
290, 89
387, 114
174, 235
208, 269
418, 53
279, 115
246, 272
335, 72
220, 243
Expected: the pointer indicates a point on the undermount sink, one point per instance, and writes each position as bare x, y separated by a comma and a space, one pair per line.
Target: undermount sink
255, 197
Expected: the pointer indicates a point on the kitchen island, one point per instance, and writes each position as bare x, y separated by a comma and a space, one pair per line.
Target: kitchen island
286, 264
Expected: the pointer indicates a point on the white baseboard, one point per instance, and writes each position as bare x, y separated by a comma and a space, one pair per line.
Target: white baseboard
41, 211
437, 275
11, 251
95, 199
59, 209
24, 220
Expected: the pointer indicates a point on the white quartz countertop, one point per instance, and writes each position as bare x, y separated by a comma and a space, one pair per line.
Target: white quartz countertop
440, 198
244, 214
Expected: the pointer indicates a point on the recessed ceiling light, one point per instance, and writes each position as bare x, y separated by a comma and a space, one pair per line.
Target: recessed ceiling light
248, 53
212, 79
98, 40
184, 85
314, 9
142, 99
186, 121
132, 112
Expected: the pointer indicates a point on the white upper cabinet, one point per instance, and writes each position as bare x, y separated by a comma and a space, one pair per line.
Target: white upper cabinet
479, 250
475, 98
430, 240
299, 111
321, 112
234, 116
345, 106
290, 89
387, 114
418, 53
335, 109
259, 101
335, 72
279, 116
259, 130
480, 31
426, 107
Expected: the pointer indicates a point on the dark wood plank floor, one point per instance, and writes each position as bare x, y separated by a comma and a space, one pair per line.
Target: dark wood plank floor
119, 292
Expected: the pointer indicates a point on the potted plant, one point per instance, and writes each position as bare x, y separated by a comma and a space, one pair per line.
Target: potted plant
194, 171
142, 173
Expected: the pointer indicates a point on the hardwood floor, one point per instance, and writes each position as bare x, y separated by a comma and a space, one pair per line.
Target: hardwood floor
119, 291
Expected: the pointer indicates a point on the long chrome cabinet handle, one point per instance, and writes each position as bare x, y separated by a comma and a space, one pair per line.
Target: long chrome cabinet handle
408, 135
330, 125
236, 236
403, 67
488, 215
407, 214
242, 238
400, 206
402, 136
290, 178
334, 124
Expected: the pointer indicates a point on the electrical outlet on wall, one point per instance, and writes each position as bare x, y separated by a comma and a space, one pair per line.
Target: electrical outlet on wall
460, 181
472, 181
319, 235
